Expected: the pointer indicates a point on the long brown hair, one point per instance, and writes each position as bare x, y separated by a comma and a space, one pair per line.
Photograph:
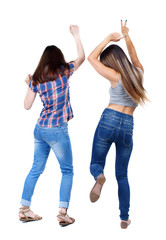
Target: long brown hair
114, 57
51, 64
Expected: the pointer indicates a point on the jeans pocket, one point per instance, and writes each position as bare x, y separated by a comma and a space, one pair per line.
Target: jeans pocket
127, 138
105, 132
50, 136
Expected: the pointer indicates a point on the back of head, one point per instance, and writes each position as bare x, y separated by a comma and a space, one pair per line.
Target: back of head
114, 57
52, 63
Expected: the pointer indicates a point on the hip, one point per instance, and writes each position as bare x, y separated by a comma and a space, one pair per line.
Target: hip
117, 119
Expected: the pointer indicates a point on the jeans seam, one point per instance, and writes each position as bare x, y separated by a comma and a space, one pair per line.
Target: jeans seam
127, 145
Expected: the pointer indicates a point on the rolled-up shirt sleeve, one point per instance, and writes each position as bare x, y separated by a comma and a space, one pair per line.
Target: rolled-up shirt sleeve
33, 88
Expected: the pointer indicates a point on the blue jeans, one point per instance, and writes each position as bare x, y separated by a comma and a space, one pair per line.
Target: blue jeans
114, 127
58, 140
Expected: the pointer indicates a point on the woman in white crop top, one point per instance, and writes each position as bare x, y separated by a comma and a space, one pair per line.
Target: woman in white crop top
116, 122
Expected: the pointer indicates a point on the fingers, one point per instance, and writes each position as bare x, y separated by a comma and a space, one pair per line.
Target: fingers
74, 27
116, 36
122, 37
121, 24
125, 23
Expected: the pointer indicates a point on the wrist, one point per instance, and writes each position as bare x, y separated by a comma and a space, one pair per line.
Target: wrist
108, 38
126, 35
77, 36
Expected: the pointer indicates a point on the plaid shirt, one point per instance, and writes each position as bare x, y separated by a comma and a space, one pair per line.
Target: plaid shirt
56, 100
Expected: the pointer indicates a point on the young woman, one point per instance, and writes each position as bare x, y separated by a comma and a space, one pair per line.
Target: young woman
116, 123
51, 81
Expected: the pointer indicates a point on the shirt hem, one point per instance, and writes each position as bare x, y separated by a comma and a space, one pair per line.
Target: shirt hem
57, 125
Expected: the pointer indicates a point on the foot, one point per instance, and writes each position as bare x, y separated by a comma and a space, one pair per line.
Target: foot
125, 224
63, 217
96, 190
26, 214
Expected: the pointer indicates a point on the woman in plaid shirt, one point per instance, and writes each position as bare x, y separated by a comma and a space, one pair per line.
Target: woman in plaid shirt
51, 81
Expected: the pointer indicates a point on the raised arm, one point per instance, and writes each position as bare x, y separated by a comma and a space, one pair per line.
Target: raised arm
74, 29
106, 72
130, 47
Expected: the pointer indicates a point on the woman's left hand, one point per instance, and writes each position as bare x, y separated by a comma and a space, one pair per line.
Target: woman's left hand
115, 37
28, 79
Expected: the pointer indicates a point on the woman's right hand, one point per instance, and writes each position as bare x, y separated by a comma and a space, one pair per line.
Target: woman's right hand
124, 29
74, 29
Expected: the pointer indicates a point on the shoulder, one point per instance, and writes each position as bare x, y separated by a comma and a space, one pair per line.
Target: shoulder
71, 67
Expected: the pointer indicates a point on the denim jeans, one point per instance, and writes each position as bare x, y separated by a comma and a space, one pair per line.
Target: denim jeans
114, 127
57, 139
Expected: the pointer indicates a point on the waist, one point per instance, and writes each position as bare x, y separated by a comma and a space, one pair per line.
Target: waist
123, 109
55, 118
116, 120
109, 113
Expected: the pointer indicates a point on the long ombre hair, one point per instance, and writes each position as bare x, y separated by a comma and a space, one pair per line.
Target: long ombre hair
51, 64
114, 57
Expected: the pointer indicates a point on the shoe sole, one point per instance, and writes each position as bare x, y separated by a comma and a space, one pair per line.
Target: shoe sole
95, 193
29, 219
63, 223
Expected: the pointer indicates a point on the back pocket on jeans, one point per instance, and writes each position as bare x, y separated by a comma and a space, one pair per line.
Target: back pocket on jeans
128, 139
105, 133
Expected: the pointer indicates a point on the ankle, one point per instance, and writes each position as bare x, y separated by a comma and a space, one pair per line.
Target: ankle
63, 210
24, 207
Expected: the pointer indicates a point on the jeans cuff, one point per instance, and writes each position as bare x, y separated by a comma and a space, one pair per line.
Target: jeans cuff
25, 203
63, 204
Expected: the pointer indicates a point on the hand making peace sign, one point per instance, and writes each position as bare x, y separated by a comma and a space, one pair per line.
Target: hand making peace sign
124, 29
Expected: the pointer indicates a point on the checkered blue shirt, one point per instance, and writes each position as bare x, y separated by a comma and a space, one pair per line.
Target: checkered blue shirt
55, 97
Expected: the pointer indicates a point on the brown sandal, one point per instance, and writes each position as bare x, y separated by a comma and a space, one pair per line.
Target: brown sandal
125, 224
24, 210
63, 221
96, 190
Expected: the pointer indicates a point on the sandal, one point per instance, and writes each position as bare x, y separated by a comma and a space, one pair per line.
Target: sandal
62, 219
26, 218
96, 190
125, 224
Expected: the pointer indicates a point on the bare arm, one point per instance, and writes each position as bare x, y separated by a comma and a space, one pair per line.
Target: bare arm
74, 29
30, 95
130, 47
106, 72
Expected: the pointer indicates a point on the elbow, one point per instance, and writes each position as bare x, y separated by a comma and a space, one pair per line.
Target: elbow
79, 61
27, 106
82, 59
90, 58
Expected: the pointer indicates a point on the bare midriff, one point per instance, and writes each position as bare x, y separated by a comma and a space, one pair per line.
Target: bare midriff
123, 109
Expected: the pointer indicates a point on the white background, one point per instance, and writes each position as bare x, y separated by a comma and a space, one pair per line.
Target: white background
27, 27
